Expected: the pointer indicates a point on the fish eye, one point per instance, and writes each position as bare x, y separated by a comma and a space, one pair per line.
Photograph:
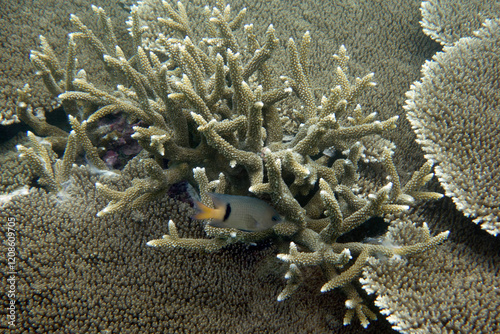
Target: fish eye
275, 218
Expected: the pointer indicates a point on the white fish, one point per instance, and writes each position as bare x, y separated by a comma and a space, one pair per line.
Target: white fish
244, 213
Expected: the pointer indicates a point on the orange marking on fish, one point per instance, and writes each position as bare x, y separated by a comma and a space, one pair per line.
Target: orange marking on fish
204, 212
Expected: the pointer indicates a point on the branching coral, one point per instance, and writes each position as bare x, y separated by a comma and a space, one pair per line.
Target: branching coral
52, 173
210, 106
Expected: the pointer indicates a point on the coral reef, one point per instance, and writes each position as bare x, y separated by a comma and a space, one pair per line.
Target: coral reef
24, 21
14, 172
80, 273
447, 21
452, 288
212, 112
454, 112
381, 36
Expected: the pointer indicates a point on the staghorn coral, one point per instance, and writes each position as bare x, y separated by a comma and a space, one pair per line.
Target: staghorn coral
381, 36
23, 22
211, 103
82, 273
14, 172
52, 172
41, 158
454, 112
447, 21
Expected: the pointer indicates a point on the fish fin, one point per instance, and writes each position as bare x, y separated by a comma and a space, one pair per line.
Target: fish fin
193, 194
252, 225
255, 225
219, 200
204, 212
248, 231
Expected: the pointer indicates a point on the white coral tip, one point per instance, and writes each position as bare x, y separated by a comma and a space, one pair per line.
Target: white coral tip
283, 257
347, 253
103, 212
324, 288
350, 304
171, 225
198, 170
388, 186
281, 297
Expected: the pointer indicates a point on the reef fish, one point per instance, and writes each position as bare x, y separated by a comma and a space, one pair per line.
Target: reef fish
244, 213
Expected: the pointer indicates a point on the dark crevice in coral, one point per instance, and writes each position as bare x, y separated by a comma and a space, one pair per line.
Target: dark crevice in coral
372, 228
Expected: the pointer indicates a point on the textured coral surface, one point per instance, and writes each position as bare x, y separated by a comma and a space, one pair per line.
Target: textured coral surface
243, 101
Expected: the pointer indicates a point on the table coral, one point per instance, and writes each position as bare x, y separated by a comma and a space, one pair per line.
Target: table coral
453, 110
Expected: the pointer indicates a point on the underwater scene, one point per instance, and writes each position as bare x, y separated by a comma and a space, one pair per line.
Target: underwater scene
277, 166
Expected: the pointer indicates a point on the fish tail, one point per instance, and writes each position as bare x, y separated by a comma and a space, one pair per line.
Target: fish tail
204, 212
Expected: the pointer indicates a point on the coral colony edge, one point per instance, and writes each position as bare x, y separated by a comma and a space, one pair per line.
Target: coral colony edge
212, 107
